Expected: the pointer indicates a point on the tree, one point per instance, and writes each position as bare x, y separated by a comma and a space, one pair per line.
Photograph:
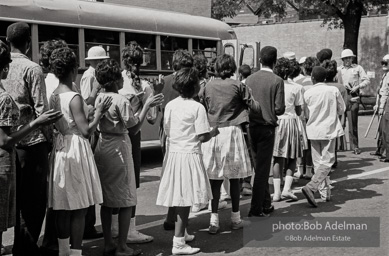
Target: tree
346, 14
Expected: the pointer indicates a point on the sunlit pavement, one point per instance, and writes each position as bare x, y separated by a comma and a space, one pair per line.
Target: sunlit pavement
361, 190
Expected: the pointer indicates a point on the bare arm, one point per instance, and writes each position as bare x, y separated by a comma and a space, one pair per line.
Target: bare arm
8, 138
77, 110
152, 101
207, 136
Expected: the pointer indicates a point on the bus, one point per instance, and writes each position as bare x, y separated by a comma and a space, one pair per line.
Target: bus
83, 24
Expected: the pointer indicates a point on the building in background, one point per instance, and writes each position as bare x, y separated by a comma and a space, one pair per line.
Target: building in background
194, 7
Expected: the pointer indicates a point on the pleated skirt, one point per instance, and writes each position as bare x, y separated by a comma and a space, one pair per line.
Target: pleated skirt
290, 138
226, 155
184, 181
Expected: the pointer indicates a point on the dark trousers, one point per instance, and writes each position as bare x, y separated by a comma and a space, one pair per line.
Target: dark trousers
352, 116
31, 196
136, 155
262, 143
385, 133
90, 220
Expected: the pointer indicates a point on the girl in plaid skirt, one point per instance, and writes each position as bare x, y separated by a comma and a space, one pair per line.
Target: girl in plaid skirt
226, 156
290, 139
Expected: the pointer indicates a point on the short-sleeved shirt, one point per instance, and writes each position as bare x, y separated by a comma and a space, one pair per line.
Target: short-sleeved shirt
184, 119
88, 80
9, 111
25, 83
137, 103
294, 96
119, 116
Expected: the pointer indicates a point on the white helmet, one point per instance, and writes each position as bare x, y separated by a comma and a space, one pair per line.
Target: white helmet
290, 55
386, 57
347, 53
97, 53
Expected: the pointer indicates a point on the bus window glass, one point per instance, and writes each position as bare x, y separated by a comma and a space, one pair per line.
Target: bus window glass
168, 46
3, 30
147, 42
248, 56
109, 40
68, 34
230, 50
206, 47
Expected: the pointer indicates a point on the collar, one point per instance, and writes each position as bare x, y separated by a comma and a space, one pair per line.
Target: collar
352, 66
267, 69
319, 84
18, 55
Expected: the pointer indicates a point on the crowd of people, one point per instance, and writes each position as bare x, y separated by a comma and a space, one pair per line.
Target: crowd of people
218, 134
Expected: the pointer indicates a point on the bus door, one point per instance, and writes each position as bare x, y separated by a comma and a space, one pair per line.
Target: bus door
231, 47
249, 55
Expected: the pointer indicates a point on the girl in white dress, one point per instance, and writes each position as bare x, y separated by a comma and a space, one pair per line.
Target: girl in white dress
290, 139
74, 183
184, 181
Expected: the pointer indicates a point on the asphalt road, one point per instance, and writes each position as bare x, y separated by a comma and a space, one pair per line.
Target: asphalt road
361, 190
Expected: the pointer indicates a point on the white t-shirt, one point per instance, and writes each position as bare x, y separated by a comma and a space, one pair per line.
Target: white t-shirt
52, 83
184, 119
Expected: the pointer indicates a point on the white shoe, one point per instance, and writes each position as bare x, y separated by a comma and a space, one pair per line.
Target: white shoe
225, 197
138, 238
237, 225
222, 205
184, 250
276, 197
198, 207
75, 252
289, 195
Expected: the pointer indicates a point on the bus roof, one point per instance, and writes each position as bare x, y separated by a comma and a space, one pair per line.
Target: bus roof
95, 15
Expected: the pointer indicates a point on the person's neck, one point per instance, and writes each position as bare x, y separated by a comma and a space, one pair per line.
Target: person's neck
17, 50
269, 67
113, 90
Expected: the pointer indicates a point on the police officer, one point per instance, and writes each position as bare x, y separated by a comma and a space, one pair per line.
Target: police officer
383, 106
354, 78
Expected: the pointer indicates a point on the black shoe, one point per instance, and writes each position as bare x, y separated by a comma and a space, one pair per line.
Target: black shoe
382, 157
168, 225
375, 154
335, 165
262, 214
93, 234
357, 151
384, 160
309, 195
268, 210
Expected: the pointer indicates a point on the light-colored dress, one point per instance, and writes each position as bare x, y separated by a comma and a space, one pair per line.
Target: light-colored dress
290, 138
74, 182
113, 153
9, 116
184, 181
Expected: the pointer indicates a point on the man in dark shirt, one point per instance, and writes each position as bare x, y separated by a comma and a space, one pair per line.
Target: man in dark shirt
268, 89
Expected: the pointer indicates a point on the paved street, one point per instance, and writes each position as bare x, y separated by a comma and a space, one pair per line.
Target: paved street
361, 190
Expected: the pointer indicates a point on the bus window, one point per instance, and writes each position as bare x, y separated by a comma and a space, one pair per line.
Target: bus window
168, 46
206, 47
68, 34
248, 56
230, 50
109, 40
147, 42
3, 30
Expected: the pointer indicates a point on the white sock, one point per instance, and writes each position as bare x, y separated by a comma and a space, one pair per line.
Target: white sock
288, 184
64, 247
178, 241
76, 252
132, 229
300, 170
277, 186
309, 171
214, 219
235, 217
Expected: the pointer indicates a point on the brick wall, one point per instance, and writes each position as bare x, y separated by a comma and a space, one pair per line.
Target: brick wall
307, 38
194, 7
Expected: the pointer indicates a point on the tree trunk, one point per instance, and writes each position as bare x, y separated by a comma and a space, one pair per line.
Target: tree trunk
352, 22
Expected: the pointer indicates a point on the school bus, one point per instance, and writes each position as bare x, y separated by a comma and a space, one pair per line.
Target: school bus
83, 24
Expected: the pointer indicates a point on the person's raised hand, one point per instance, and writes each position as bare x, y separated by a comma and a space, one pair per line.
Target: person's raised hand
154, 100
103, 105
158, 84
48, 117
91, 113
